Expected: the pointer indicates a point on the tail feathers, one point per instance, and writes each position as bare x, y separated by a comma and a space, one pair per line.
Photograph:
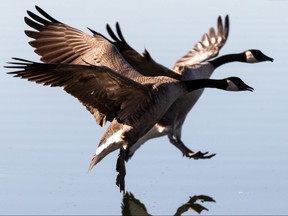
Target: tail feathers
129, 155
94, 161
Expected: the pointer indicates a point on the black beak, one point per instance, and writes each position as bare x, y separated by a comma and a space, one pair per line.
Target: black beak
267, 58
248, 88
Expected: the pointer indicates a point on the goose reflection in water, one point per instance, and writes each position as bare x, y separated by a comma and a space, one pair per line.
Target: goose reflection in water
132, 206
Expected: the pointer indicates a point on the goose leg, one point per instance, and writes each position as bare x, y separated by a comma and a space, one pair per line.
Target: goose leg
120, 168
186, 151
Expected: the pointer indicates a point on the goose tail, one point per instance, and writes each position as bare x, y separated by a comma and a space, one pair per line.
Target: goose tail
93, 162
102, 151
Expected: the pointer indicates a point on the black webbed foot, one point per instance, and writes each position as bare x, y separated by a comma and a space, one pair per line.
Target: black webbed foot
177, 142
199, 155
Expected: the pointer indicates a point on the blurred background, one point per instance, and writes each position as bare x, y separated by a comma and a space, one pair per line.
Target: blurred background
47, 138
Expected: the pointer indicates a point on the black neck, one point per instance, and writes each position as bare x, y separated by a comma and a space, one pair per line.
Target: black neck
205, 83
239, 57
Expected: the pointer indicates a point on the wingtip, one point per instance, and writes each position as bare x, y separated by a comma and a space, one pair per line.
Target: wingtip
38, 8
26, 19
219, 20
227, 23
91, 30
22, 60
108, 26
30, 13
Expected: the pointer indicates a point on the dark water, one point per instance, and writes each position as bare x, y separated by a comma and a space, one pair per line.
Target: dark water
47, 138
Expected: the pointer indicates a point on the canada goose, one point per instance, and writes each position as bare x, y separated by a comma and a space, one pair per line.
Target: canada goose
135, 105
198, 63
56, 42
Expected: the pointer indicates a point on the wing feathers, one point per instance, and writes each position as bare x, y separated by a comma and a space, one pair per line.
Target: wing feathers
207, 48
112, 94
142, 63
47, 16
56, 42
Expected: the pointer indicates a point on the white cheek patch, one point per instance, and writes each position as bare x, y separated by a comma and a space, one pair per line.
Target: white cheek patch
232, 86
250, 57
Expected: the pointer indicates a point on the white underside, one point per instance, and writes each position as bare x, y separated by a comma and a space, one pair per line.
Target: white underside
116, 140
199, 71
155, 131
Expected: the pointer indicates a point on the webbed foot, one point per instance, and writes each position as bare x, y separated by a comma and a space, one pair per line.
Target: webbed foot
199, 155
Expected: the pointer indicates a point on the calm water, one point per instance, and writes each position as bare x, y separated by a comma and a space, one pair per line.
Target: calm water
47, 138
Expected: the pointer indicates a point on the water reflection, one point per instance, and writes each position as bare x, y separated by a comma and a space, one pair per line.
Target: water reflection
132, 206
193, 205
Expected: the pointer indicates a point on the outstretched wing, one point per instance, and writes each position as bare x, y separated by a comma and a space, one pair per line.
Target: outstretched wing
144, 63
208, 47
57, 42
99, 87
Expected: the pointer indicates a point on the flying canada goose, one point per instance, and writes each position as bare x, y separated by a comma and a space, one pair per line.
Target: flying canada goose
56, 42
198, 63
133, 105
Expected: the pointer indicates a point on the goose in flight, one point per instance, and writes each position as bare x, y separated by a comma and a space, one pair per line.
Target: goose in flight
199, 63
133, 105
56, 42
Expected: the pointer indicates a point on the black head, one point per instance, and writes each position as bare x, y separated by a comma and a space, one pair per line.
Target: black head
254, 55
236, 84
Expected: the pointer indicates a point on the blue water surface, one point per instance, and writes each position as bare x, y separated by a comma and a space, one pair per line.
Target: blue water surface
47, 138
